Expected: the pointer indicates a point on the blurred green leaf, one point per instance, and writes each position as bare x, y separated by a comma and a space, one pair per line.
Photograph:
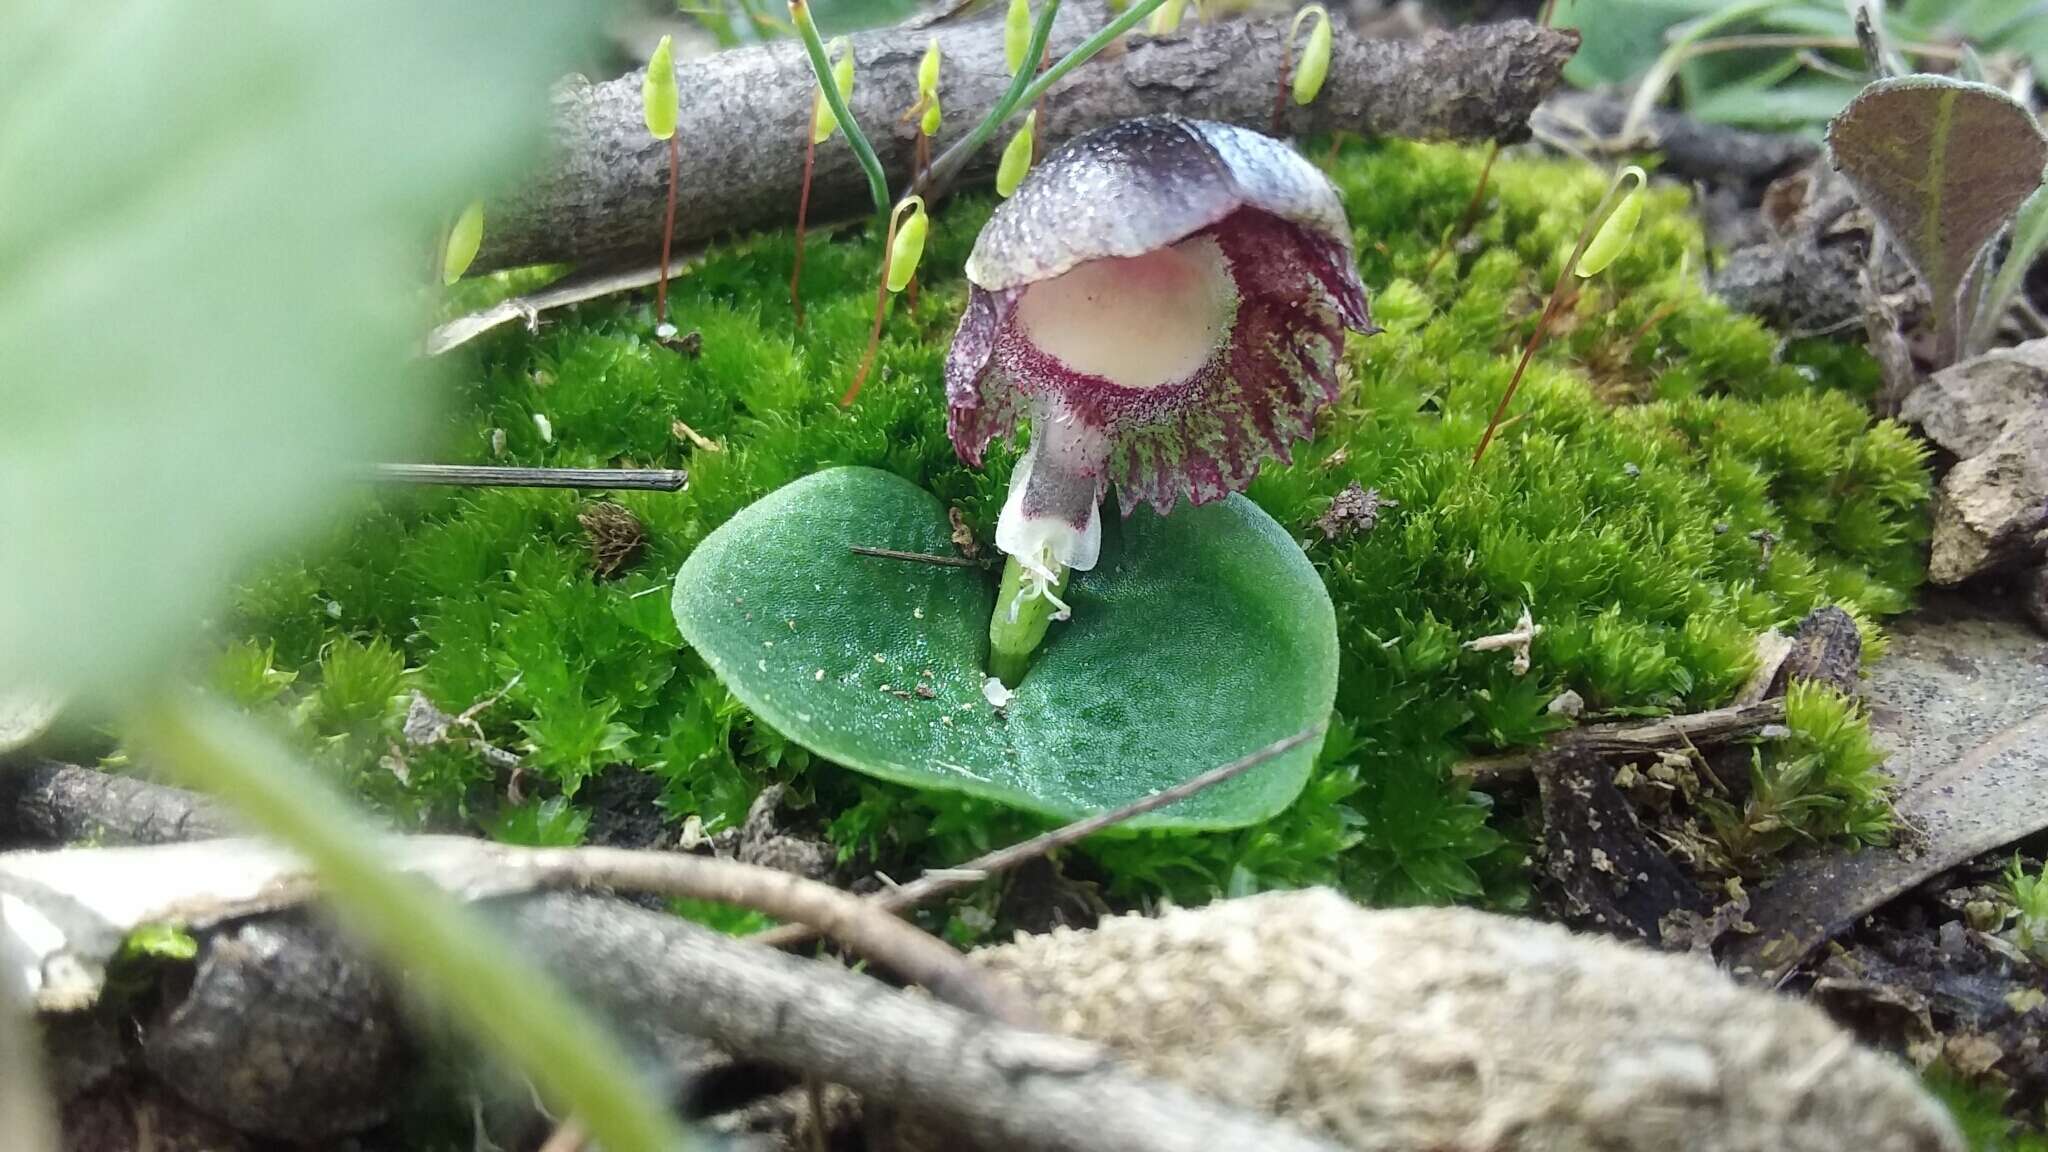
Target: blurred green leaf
218, 220
1810, 100
1620, 38
2029, 236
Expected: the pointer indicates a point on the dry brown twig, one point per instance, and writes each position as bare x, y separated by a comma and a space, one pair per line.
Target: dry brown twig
1716, 726
859, 925
1009, 1088
938, 882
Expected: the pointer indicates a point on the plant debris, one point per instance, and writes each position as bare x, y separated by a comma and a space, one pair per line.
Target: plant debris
1353, 511
615, 536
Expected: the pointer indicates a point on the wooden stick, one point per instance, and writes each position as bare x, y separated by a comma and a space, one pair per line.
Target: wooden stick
866, 930
1010, 1088
940, 881
486, 476
1717, 726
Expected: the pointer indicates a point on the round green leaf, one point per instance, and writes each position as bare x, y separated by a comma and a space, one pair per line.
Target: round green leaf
1199, 638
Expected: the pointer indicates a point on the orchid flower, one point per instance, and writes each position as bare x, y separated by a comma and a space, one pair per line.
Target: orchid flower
1165, 300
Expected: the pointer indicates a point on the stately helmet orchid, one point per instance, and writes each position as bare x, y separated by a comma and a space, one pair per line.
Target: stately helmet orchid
1165, 299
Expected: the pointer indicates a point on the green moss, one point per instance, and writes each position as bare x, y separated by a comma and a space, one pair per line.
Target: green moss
1981, 1113
1821, 782
1671, 481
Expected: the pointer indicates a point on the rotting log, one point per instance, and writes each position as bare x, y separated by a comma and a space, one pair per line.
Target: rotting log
600, 196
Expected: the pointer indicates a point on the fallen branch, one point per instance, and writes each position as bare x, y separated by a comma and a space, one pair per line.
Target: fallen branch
1007, 1088
939, 882
600, 198
53, 803
662, 980
838, 915
1621, 739
82, 902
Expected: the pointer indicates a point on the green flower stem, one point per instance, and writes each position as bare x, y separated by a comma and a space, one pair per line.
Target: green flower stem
515, 1008
821, 67
949, 162
1082, 54
1019, 624
1025, 91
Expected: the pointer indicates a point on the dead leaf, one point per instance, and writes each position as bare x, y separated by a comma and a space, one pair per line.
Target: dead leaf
1961, 703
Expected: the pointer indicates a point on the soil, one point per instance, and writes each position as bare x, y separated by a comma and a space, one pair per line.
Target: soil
1920, 978
1908, 944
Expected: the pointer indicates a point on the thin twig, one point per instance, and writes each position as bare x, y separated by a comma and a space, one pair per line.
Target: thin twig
1719, 725
913, 557
940, 881
575, 288
487, 476
861, 926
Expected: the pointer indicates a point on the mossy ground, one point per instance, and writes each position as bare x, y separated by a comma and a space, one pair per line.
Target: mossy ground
1672, 481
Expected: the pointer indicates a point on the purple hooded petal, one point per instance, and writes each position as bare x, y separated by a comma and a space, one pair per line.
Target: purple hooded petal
1227, 260
1258, 395
1140, 185
979, 408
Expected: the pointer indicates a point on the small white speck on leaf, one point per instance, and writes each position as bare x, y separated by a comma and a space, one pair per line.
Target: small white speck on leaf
995, 693
546, 430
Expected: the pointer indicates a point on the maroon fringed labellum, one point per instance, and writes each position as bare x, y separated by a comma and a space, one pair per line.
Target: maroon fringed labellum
1165, 300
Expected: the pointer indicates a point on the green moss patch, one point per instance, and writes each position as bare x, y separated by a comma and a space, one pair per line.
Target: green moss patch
1673, 480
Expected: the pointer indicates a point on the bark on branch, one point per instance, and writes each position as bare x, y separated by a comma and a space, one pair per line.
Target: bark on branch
602, 194
1008, 1088
48, 802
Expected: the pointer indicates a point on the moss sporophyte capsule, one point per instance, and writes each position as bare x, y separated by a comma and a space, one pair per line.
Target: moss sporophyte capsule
1165, 301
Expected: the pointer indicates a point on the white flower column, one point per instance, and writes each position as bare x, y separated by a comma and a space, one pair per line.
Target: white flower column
1165, 301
